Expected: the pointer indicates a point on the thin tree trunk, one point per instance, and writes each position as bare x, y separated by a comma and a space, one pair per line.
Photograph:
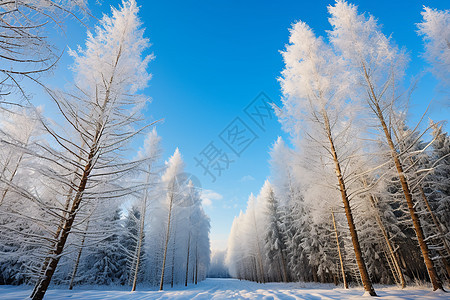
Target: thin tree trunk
173, 258
435, 281
141, 234
193, 266
348, 212
187, 260
193, 270
261, 268
283, 264
133, 266
161, 284
387, 240
75, 269
390, 262
56, 236
339, 251
196, 263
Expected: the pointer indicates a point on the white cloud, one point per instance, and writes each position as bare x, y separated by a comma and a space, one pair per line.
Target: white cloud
208, 196
247, 178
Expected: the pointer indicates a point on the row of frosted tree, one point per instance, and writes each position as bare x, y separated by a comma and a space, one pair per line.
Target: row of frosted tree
361, 197
84, 198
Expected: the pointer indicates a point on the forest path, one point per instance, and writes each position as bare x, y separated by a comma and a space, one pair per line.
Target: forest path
218, 288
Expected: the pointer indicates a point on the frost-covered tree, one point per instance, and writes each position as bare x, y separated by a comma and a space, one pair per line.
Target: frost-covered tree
173, 194
178, 229
64, 181
275, 243
101, 116
130, 243
245, 254
256, 221
235, 249
293, 212
200, 244
435, 29
20, 235
377, 66
315, 91
150, 154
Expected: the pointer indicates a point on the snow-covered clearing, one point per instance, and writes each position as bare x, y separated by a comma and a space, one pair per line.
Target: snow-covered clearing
229, 289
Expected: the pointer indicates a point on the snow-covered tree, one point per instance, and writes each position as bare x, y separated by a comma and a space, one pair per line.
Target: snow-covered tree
173, 194
101, 115
435, 29
377, 66
150, 154
275, 239
315, 90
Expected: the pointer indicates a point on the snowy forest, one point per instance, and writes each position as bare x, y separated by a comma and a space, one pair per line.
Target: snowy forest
362, 196
359, 195
81, 202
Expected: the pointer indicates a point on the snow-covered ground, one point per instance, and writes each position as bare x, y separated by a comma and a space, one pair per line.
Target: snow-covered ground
229, 289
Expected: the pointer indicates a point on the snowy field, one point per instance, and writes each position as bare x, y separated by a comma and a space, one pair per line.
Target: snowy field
230, 289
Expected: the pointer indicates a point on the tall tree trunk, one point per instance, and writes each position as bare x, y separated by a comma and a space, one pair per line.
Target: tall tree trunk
391, 265
196, 263
61, 223
348, 212
56, 237
44, 281
261, 267
161, 284
172, 273
339, 251
75, 269
141, 234
187, 260
435, 281
284, 267
388, 244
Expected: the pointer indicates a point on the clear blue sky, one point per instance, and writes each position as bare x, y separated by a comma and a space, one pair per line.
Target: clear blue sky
214, 57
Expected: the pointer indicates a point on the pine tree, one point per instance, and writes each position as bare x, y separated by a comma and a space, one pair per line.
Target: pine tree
275, 244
